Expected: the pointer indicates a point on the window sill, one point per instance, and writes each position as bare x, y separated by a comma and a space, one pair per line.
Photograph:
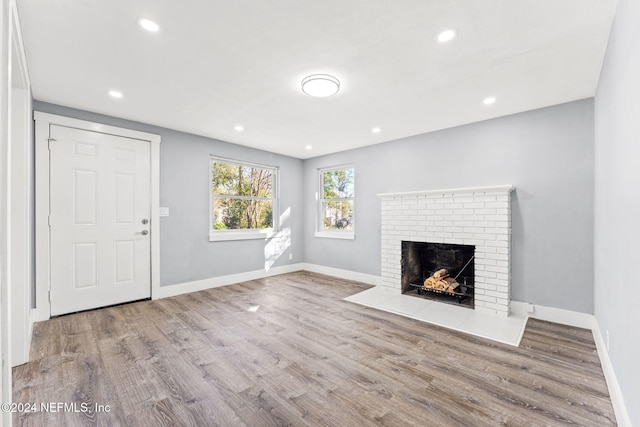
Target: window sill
345, 235
225, 235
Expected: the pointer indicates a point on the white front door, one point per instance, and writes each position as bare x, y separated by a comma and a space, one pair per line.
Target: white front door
99, 219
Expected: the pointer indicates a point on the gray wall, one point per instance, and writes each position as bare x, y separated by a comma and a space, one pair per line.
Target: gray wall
546, 154
617, 202
185, 251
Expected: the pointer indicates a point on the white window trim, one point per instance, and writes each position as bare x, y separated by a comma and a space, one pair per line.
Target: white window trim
249, 234
346, 235
333, 234
224, 235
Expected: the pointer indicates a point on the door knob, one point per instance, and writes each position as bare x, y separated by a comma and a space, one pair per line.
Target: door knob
145, 221
143, 232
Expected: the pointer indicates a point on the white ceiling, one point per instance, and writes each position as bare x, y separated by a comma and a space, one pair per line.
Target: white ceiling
216, 64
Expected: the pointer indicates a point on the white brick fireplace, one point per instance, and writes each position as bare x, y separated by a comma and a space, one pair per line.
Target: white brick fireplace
479, 216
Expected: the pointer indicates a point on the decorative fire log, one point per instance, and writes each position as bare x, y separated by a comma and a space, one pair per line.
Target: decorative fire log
440, 280
440, 274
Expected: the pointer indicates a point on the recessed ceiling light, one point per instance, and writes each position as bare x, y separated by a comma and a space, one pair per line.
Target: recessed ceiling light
447, 35
149, 25
238, 128
376, 130
489, 101
320, 85
115, 94
308, 147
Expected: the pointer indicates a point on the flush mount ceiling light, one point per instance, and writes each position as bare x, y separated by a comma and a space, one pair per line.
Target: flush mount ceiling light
320, 85
376, 130
238, 128
148, 25
489, 101
447, 35
115, 94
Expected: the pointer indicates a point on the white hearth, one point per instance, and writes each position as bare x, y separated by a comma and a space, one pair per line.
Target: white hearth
478, 216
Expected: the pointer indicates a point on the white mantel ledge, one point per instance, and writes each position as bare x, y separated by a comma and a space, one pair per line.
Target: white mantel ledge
488, 189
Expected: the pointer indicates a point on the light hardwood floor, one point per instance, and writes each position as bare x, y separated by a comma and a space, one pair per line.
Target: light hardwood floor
287, 350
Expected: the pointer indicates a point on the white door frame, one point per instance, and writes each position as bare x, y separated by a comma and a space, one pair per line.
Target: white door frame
5, 203
43, 122
15, 107
20, 192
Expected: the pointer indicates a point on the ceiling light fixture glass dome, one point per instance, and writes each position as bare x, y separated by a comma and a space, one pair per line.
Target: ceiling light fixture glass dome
489, 101
149, 25
320, 85
447, 35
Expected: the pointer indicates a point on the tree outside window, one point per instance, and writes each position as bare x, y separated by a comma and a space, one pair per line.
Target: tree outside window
337, 199
242, 196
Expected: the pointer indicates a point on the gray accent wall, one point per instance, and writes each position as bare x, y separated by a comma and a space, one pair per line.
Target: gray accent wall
617, 202
185, 251
547, 154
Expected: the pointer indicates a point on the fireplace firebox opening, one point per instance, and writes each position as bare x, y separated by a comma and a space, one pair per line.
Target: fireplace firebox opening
439, 271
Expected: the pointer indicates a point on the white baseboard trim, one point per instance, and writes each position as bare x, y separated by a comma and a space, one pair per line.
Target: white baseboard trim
617, 400
343, 274
586, 321
215, 282
552, 314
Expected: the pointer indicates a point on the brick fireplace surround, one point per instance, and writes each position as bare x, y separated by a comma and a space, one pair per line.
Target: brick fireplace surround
479, 216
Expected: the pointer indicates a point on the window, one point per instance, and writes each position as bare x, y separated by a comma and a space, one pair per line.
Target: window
243, 200
336, 203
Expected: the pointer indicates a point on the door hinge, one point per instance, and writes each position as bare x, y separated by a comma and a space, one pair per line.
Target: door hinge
49, 296
49, 141
49, 220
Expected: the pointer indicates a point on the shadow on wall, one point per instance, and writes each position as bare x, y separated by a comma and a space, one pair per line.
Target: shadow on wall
279, 243
518, 264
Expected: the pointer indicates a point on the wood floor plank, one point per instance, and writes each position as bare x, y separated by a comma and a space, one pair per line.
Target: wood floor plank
287, 350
